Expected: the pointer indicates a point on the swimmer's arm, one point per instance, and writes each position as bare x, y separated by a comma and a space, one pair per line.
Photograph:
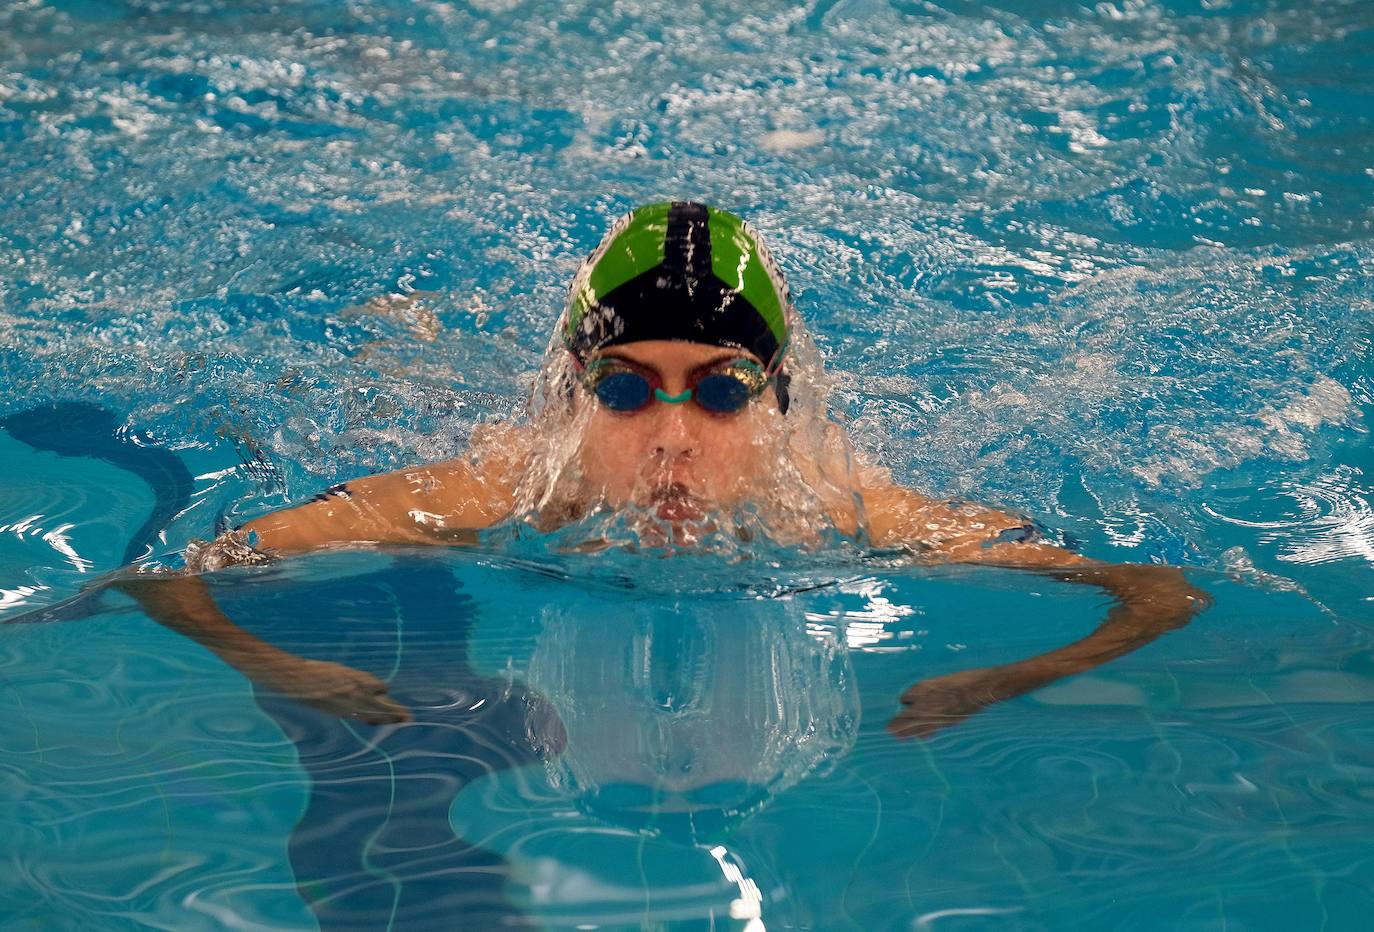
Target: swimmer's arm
434, 504
443, 503
183, 603
1150, 601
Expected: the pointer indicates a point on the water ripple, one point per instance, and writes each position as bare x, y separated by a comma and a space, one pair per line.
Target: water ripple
1325, 520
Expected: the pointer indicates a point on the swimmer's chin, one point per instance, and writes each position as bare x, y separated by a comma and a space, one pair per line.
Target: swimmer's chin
670, 526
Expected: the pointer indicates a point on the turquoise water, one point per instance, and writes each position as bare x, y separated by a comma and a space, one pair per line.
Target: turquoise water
1109, 264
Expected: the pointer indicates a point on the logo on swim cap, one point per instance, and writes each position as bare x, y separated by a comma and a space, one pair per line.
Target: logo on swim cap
679, 271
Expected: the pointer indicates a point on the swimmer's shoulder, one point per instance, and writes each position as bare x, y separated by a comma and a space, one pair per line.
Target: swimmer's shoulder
900, 516
477, 488
441, 502
897, 514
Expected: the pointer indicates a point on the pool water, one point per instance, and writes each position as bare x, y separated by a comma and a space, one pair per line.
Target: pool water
1108, 264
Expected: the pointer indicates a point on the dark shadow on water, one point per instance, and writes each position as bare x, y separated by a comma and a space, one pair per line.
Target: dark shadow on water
78, 428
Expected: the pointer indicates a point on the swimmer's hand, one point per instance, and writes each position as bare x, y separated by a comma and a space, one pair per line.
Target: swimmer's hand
937, 703
335, 689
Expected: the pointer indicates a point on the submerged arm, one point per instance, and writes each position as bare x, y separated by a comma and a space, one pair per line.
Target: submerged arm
184, 604
1150, 600
446, 503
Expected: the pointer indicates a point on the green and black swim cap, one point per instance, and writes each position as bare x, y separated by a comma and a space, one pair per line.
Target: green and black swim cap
680, 271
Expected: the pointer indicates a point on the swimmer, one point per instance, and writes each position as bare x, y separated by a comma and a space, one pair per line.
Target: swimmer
673, 394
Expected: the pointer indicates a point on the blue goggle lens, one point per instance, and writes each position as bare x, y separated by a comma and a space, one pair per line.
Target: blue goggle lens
721, 393
623, 391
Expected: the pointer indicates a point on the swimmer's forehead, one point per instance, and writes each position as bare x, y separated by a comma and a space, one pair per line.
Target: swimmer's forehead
660, 354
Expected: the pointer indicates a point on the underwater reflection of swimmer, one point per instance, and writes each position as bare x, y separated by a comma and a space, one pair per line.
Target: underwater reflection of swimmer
684, 724
678, 722
682, 406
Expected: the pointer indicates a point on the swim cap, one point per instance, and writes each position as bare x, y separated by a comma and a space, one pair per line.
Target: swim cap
679, 271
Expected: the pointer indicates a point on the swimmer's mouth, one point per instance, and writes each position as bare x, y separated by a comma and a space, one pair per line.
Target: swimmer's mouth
675, 502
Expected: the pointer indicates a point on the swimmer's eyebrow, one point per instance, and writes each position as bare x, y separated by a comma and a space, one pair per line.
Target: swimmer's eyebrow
725, 356
728, 356
620, 358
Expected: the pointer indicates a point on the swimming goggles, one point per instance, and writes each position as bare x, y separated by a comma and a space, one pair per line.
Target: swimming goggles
718, 388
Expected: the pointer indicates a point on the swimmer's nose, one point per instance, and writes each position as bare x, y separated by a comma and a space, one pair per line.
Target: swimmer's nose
675, 434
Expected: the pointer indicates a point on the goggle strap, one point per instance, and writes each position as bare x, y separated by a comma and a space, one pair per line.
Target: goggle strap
779, 356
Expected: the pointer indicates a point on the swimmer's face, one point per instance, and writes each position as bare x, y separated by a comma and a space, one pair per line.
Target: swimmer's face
677, 456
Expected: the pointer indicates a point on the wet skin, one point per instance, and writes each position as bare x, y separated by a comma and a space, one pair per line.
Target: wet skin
679, 460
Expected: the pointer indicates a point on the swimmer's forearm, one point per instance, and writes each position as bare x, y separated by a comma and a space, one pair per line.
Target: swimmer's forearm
1151, 601
1149, 591
183, 604
1128, 628
1151, 595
